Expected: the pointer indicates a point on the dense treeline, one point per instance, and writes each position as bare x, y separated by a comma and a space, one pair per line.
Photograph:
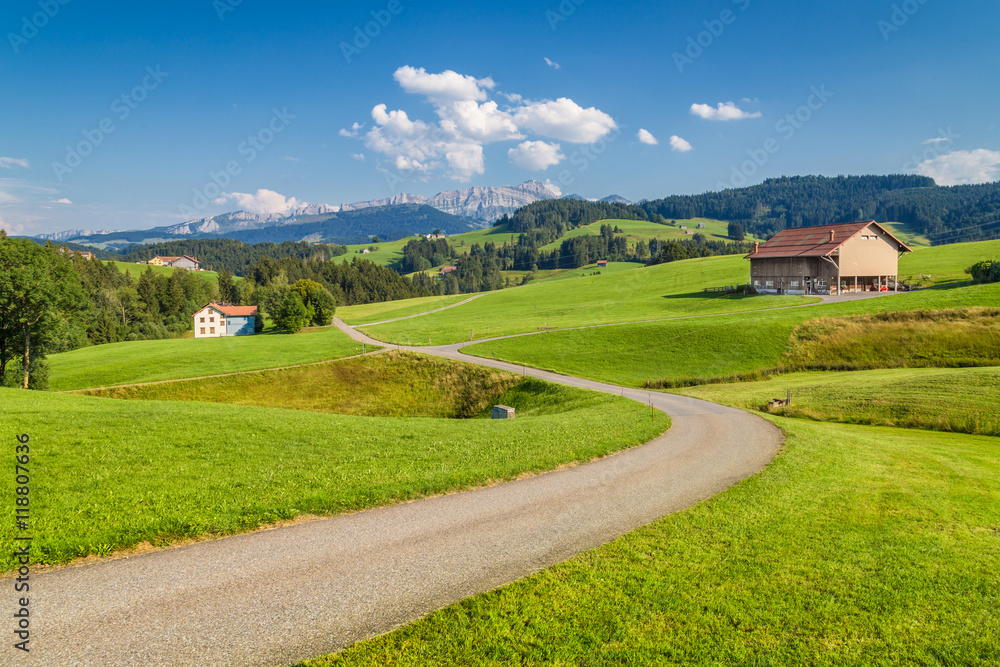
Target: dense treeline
944, 214
229, 255
554, 217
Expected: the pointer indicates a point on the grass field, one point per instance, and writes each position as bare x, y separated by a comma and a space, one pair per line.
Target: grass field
151, 360
961, 400
394, 384
667, 290
390, 253
644, 230
136, 270
857, 546
387, 310
109, 474
701, 347
945, 263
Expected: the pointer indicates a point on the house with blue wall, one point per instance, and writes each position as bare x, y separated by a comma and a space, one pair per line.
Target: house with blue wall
222, 319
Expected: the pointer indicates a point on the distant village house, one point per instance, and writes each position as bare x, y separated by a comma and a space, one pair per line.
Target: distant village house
223, 319
445, 270
435, 236
602, 263
184, 262
832, 259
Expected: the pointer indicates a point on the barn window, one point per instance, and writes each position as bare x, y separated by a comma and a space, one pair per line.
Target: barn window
821, 284
795, 283
756, 283
769, 283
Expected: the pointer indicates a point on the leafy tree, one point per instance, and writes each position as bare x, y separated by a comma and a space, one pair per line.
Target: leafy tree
227, 288
38, 290
317, 298
986, 271
291, 313
736, 231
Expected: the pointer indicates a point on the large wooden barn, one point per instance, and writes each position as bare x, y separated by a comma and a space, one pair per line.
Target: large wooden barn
832, 259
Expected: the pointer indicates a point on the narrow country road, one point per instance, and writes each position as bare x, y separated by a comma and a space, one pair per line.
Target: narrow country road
280, 596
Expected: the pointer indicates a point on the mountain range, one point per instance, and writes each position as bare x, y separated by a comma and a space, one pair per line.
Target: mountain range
452, 211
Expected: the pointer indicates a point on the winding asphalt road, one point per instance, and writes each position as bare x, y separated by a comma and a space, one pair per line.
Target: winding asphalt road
279, 596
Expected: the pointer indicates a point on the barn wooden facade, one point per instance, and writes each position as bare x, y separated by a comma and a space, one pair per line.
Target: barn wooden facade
832, 259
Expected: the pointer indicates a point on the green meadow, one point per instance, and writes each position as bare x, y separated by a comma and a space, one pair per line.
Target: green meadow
704, 347
153, 360
387, 310
648, 293
858, 545
960, 400
945, 263
644, 230
136, 270
109, 474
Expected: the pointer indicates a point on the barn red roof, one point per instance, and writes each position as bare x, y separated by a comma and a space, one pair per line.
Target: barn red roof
233, 311
816, 241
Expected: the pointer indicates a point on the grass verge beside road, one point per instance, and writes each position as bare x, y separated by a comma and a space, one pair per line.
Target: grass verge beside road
857, 546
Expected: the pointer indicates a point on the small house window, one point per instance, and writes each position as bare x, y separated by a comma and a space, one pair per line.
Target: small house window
211, 319
203, 328
222, 323
211, 330
203, 321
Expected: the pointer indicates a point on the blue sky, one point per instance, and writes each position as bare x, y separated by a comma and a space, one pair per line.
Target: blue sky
133, 115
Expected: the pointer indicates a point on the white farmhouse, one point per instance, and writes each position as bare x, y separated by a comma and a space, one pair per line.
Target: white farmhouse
222, 319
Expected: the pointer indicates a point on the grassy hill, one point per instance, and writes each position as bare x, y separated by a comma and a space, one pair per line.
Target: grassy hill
945, 263
136, 270
643, 230
153, 360
656, 292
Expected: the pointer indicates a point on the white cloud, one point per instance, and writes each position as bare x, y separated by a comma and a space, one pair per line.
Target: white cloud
535, 155
553, 64
11, 162
935, 140
555, 189
353, 132
63, 201
724, 111
963, 167
481, 122
11, 228
448, 86
292, 159
680, 145
647, 137
264, 202
468, 120
566, 120
360, 157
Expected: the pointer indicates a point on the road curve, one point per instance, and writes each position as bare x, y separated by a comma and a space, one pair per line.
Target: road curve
279, 596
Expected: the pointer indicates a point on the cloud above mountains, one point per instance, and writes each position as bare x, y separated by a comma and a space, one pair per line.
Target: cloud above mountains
263, 202
468, 120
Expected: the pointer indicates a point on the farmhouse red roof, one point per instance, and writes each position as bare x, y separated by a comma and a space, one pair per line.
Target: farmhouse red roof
816, 241
233, 311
